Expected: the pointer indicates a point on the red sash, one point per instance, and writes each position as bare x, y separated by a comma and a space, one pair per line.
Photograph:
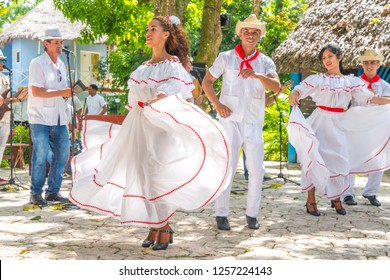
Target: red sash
240, 52
370, 82
332, 109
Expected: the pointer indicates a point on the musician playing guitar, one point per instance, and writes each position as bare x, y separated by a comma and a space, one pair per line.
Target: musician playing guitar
4, 109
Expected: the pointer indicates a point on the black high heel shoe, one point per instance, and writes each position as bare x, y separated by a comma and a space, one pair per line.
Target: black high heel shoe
148, 241
163, 246
339, 210
315, 212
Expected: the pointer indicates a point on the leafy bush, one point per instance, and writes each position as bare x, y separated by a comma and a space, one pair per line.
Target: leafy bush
21, 135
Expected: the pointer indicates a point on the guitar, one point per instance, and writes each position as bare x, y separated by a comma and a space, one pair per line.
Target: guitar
18, 96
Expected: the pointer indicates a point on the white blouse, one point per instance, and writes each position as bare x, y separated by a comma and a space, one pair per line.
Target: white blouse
151, 79
334, 91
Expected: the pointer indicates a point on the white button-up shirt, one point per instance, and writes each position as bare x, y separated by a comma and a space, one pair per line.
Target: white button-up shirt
95, 104
380, 88
245, 97
45, 74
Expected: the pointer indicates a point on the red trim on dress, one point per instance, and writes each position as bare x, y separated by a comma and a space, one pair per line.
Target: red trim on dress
141, 197
226, 146
84, 134
160, 81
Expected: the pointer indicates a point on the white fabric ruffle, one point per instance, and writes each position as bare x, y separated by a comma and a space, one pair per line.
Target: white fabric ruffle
354, 142
167, 156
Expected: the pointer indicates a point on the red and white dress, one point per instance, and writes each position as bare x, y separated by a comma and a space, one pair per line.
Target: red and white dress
165, 156
335, 141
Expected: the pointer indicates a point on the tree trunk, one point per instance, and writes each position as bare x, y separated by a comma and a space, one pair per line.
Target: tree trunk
256, 7
181, 7
211, 33
170, 8
164, 7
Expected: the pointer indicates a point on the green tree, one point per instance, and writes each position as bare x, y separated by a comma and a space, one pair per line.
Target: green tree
12, 10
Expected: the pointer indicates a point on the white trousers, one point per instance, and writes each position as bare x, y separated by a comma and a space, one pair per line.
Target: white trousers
371, 187
250, 138
4, 133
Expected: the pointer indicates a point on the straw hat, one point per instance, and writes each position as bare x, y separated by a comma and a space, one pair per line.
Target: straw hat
371, 55
2, 55
52, 33
251, 22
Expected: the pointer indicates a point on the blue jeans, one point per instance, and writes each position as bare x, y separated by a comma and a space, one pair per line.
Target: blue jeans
46, 138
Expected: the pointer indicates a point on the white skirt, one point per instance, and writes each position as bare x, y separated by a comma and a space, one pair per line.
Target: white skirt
330, 146
167, 156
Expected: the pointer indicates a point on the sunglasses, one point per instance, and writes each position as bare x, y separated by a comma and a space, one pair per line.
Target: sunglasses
59, 75
3, 60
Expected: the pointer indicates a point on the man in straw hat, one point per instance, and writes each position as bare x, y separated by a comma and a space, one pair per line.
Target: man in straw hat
247, 73
371, 62
48, 120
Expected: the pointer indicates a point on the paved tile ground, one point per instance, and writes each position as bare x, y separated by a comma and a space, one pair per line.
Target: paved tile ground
286, 232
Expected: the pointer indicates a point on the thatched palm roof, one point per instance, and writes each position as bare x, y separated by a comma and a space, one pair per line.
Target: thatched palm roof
33, 24
353, 24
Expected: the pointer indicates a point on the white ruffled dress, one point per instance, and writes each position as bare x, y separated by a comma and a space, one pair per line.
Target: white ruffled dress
332, 145
163, 157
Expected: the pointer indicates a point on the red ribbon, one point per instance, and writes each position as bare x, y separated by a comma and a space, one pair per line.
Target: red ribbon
332, 109
240, 52
141, 104
370, 82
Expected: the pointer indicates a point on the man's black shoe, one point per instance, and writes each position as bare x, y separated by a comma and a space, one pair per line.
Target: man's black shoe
372, 199
252, 222
223, 223
37, 199
349, 200
57, 197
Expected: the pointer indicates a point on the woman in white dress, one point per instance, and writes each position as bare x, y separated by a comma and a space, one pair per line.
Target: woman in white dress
167, 154
336, 141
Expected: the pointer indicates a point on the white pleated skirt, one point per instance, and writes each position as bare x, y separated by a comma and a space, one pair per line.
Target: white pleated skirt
330, 146
168, 156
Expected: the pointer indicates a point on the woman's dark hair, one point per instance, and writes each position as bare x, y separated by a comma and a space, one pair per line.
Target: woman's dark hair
177, 42
334, 48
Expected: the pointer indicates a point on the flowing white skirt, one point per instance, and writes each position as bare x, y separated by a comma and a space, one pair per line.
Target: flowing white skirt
167, 156
330, 146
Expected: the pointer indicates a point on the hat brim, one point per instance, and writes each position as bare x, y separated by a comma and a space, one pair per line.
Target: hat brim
50, 38
3, 57
240, 25
379, 58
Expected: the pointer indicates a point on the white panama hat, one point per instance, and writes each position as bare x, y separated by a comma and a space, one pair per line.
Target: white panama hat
52, 33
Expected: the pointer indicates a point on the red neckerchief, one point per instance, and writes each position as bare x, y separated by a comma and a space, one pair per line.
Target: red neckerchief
240, 52
370, 82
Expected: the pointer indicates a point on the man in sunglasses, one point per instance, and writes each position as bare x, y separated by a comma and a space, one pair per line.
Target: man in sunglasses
48, 91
